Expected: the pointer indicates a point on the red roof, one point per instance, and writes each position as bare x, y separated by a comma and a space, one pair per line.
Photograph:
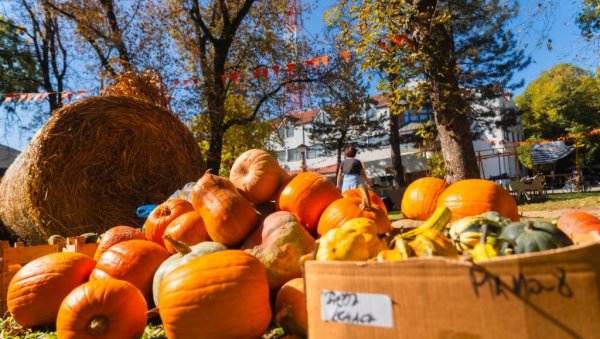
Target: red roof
304, 117
323, 170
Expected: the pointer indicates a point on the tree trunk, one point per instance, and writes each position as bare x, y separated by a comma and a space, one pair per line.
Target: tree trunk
435, 40
395, 148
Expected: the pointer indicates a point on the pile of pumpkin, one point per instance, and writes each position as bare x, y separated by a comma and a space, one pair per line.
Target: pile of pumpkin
211, 264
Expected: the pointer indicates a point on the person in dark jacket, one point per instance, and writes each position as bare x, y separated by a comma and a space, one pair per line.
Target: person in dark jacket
352, 172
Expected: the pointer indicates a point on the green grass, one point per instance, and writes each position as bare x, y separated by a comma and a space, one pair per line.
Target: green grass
563, 201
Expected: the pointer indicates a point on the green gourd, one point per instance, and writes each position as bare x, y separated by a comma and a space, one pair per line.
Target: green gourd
532, 236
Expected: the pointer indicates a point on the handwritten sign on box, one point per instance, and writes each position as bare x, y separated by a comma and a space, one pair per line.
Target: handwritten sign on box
366, 309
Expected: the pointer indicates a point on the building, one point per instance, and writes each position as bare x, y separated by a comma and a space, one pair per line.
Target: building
494, 156
7, 156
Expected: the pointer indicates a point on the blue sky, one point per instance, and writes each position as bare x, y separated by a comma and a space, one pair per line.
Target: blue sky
554, 20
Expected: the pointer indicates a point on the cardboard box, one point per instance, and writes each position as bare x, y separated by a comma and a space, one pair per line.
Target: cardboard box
554, 294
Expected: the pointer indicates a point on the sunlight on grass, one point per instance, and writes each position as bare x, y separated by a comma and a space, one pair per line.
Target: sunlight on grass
565, 200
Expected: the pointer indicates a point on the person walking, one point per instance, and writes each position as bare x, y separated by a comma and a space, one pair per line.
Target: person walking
352, 172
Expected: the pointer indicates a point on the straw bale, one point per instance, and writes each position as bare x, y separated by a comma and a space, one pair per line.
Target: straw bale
93, 164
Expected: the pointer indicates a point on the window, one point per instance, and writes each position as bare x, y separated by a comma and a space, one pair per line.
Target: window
281, 156
290, 130
371, 114
294, 155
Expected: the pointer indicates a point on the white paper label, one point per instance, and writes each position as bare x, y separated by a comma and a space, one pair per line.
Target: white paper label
357, 308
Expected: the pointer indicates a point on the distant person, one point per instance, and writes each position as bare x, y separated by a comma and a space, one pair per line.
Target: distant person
352, 172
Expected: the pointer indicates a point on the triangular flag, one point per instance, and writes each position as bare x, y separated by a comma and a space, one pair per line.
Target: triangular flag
381, 44
310, 62
265, 72
346, 55
175, 83
195, 80
257, 73
30, 97
185, 83
235, 76
316, 61
22, 97
81, 94
275, 70
224, 79
66, 96
325, 60
44, 95
290, 67
8, 98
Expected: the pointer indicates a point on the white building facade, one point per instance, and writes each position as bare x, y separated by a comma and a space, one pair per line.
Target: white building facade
294, 132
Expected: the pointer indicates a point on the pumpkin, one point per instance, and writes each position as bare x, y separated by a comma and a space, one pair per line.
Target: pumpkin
290, 308
37, 289
532, 236
476, 196
134, 261
228, 216
375, 198
421, 196
257, 175
578, 223
307, 195
115, 235
218, 295
466, 232
184, 254
188, 228
278, 243
161, 217
104, 308
345, 209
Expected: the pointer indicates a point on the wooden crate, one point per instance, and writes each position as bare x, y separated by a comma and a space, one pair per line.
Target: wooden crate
11, 260
77, 244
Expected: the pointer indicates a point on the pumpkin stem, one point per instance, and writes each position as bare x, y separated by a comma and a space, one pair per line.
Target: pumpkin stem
484, 232
366, 199
98, 325
529, 227
180, 247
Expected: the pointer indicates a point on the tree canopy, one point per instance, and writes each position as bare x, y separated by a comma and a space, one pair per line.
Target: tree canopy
18, 69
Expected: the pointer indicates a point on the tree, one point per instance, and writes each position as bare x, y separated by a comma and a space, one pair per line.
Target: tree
18, 69
562, 101
346, 119
445, 52
589, 19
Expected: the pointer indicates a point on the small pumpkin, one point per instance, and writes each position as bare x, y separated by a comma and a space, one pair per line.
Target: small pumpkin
466, 232
134, 261
115, 235
477, 196
578, 223
290, 308
420, 198
228, 216
161, 217
104, 308
257, 175
218, 295
532, 236
38, 288
184, 254
344, 209
375, 198
188, 228
307, 195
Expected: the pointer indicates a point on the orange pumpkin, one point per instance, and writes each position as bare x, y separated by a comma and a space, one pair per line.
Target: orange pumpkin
307, 195
134, 261
104, 308
37, 289
375, 198
116, 235
218, 295
475, 196
421, 196
188, 228
161, 217
228, 216
290, 308
578, 222
257, 175
345, 209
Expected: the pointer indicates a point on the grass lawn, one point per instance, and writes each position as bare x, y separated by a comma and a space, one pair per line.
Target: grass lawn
587, 200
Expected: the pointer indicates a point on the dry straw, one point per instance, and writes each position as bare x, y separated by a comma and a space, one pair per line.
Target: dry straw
96, 161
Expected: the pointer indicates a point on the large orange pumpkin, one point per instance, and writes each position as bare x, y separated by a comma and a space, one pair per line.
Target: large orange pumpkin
257, 175
344, 209
421, 196
161, 217
115, 235
188, 228
476, 196
218, 295
375, 198
228, 216
37, 289
578, 222
104, 308
290, 308
134, 261
307, 195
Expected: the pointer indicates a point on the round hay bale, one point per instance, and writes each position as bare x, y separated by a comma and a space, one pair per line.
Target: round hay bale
93, 164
